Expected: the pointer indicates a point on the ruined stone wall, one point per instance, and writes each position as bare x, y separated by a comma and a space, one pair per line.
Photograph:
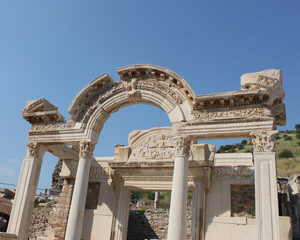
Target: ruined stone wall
152, 223
49, 218
41, 223
61, 212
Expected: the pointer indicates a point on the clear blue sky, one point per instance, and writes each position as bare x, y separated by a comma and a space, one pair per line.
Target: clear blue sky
52, 49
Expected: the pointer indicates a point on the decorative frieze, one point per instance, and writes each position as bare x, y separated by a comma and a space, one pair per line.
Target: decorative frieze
230, 113
233, 172
86, 149
264, 141
56, 126
149, 72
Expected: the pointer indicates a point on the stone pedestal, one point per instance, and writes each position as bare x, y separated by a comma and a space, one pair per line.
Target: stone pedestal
178, 208
76, 215
25, 195
266, 199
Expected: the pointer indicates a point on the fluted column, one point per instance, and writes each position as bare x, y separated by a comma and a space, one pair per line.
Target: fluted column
26, 190
76, 215
266, 198
178, 208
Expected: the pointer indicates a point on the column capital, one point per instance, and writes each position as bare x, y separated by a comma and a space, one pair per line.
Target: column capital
264, 141
182, 145
32, 149
86, 149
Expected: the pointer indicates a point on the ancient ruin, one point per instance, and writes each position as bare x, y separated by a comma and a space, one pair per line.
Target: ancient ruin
96, 191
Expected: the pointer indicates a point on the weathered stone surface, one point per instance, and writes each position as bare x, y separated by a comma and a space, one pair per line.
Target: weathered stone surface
41, 110
243, 200
264, 79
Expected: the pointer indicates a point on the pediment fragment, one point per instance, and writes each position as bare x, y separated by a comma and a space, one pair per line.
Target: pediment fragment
41, 111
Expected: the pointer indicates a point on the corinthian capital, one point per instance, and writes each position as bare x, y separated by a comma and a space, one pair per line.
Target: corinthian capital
182, 146
32, 149
264, 141
86, 149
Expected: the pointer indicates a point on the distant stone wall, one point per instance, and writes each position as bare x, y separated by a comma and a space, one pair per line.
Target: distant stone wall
243, 200
152, 223
57, 181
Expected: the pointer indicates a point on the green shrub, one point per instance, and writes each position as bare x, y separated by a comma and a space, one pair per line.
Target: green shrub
286, 154
241, 146
298, 135
248, 150
299, 143
288, 138
297, 127
278, 137
232, 150
244, 142
143, 210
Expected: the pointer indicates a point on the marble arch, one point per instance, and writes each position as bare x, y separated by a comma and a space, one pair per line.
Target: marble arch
139, 84
254, 112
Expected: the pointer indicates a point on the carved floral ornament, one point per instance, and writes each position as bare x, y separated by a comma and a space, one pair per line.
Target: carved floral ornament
86, 149
264, 141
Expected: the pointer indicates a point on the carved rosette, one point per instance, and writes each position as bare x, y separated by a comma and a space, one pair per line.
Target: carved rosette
264, 141
32, 149
182, 146
86, 149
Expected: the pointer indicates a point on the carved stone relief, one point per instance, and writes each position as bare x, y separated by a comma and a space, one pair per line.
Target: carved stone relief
264, 79
52, 126
156, 147
233, 172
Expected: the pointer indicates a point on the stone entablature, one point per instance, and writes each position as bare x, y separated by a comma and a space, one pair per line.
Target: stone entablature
255, 106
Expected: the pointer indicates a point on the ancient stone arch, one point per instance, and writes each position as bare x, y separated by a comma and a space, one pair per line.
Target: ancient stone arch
253, 112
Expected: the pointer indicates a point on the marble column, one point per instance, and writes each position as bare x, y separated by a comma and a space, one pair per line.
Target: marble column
77, 209
25, 195
156, 199
178, 208
266, 198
